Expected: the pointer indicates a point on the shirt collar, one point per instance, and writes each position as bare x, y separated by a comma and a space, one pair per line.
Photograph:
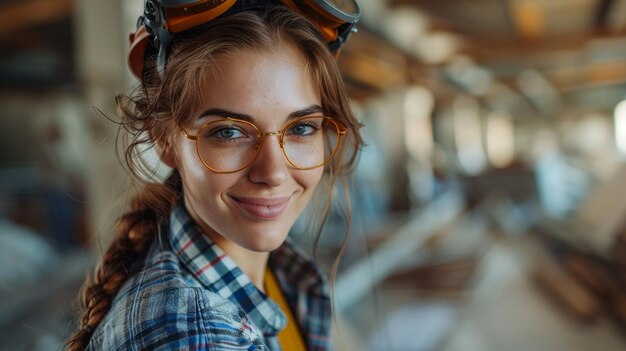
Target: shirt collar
220, 274
292, 264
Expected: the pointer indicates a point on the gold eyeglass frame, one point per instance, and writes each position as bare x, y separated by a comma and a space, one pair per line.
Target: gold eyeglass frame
341, 131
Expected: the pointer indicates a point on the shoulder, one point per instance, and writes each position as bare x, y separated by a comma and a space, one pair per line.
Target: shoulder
158, 309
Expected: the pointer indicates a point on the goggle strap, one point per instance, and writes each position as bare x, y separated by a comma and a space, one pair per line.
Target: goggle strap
345, 30
162, 41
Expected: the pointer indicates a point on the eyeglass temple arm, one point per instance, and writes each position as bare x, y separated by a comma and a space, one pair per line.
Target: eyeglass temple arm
187, 135
343, 130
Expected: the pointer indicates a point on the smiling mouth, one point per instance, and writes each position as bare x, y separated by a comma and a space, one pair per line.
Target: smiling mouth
263, 208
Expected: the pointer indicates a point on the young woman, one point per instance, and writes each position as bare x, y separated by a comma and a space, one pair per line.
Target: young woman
250, 112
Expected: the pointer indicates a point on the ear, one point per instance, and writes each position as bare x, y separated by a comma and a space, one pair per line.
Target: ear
167, 154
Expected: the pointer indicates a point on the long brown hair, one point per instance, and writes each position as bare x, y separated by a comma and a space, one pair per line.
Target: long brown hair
162, 101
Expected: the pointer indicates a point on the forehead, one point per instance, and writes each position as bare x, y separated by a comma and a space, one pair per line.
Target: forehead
260, 83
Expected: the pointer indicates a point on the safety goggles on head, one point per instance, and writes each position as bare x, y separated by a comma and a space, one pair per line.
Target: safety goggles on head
162, 19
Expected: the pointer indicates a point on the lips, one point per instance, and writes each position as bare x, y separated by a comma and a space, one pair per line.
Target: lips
263, 208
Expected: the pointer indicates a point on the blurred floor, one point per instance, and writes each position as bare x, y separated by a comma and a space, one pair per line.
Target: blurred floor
40, 316
503, 310
510, 312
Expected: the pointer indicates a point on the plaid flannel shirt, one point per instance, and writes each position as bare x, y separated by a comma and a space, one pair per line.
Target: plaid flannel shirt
190, 295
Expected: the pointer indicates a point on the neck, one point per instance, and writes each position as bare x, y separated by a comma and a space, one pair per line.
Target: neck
253, 264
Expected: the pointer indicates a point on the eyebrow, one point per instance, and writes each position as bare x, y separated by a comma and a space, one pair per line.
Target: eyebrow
225, 113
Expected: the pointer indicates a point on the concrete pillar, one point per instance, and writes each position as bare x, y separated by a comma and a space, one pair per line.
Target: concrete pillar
101, 38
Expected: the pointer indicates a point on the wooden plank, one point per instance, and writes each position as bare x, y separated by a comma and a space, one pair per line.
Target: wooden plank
365, 274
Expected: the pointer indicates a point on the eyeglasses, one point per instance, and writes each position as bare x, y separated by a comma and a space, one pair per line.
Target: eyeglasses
230, 145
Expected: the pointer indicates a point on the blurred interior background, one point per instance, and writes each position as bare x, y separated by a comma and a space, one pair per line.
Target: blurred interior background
489, 202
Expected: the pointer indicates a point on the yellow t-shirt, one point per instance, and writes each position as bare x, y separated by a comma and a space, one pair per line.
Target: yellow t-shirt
290, 337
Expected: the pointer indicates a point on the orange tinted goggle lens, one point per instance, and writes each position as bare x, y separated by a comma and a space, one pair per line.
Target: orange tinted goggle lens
182, 18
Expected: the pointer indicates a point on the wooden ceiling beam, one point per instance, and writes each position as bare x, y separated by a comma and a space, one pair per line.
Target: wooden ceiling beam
27, 14
587, 76
393, 3
486, 50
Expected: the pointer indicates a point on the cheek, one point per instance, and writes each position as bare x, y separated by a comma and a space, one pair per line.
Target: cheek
310, 179
315, 187
189, 164
188, 160
198, 181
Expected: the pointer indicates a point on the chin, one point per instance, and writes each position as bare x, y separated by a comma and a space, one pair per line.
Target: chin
262, 246
264, 241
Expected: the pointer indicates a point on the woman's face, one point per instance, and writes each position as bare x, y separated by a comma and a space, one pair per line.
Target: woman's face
254, 208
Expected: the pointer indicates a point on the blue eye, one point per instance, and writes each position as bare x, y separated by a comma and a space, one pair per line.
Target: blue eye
228, 133
302, 129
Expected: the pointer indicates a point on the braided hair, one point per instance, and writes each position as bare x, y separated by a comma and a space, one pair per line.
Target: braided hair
134, 232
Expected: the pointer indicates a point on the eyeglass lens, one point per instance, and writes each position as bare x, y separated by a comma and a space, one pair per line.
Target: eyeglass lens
231, 145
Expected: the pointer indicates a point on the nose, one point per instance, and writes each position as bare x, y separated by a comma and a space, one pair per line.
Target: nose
270, 167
